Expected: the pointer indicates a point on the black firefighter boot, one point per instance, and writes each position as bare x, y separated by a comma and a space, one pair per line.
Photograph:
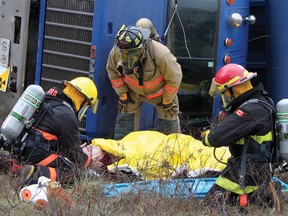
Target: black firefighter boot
28, 175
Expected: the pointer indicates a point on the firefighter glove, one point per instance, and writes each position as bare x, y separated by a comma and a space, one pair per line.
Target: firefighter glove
221, 116
169, 106
123, 101
203, 134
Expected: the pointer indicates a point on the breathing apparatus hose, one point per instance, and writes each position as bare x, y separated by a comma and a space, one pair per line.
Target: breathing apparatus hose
214, 154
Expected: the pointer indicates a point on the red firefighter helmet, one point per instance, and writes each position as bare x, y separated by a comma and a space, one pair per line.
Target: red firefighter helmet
228, 76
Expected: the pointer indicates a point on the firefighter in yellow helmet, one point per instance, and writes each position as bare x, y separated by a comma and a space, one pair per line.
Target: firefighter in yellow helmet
83, 93
142, 70
248, 131
53, 145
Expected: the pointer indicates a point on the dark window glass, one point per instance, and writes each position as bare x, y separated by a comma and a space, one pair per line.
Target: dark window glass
258, 37
195, 51
198, 19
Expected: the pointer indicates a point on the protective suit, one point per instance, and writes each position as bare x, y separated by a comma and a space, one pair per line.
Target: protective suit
143, 70
248, 132
52, 143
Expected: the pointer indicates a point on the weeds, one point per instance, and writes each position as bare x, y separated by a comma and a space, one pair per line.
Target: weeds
89, 199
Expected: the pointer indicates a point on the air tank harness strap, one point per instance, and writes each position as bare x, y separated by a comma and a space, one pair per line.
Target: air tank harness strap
40, 139
261, 157
20, 143
243, 198
263, 154
141, 72
275, 156
243, 164
52, 157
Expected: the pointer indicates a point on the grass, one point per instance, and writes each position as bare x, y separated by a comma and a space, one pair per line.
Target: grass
88, 199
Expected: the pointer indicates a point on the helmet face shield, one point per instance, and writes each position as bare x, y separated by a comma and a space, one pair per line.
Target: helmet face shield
84, 109
94, 106
214, 92
214, 89
82, 112
129, 45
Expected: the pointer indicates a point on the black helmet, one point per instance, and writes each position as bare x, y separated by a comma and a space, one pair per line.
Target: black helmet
129, 44
129, 38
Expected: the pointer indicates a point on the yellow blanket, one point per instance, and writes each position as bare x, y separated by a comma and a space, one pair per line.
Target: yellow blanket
157, 156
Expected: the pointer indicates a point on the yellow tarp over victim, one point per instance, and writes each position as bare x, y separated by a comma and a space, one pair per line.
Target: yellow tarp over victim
158, 156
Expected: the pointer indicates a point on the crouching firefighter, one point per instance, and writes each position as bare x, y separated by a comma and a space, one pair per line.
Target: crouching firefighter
51, 146
249, 132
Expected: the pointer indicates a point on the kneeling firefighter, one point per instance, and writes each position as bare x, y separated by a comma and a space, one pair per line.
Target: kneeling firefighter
52, 146
249, 133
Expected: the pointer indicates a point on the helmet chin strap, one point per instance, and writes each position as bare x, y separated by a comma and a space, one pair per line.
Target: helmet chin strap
226, 100
231, 93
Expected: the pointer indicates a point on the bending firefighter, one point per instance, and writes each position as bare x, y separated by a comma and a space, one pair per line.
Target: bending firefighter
143, 70
248, 131
52, 146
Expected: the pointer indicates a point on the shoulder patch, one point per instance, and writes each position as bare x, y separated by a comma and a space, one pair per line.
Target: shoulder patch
53, 92
239, 112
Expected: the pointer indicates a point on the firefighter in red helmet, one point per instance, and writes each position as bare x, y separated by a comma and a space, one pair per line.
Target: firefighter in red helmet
248, 132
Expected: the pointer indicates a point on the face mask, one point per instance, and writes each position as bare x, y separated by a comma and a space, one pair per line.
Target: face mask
130, 58
130, 69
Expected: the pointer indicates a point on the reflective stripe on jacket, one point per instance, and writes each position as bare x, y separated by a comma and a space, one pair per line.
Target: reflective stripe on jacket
234, 187
252, 120
162, 73
60, 126
250, 124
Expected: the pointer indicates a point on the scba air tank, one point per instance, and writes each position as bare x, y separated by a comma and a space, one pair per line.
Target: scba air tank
22, 112
282, 114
